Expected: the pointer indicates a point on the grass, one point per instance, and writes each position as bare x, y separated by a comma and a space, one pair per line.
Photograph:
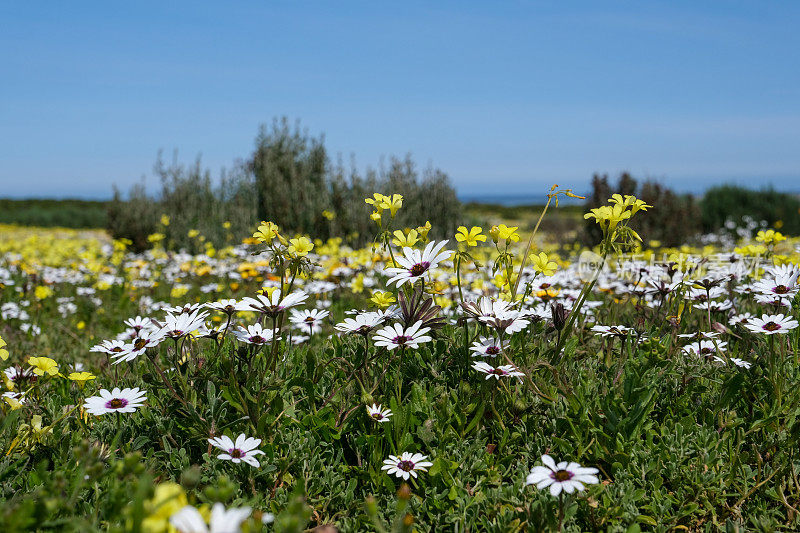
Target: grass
681, 440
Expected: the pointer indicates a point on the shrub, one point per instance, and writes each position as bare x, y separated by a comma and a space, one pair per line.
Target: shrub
289, 180
730, 202
191, 202
48, 213
296, 182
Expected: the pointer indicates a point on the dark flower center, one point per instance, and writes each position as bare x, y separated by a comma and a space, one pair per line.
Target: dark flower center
139, 343
377, 416
562, 475
706, 350
116, 403
498, 372
420, 268
256, 339
781, 289
401, 339
405, 466
493, 350
309, 320
116, 349
236, 453
772, 326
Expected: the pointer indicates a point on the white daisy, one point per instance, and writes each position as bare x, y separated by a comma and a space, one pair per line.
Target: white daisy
185, 309
138, 346
244, 449
407, 465
705, 348
377, 413
228, 307
110, 347
362, 324
414, 264
611, 331
177, 326
564, 476
487, 347
394, 336
119, 401
272, 305
138, 323
255, 334
781, 285
308, 320
771, 324
505, 371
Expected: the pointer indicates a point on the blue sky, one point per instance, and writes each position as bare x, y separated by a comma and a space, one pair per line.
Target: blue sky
507, 97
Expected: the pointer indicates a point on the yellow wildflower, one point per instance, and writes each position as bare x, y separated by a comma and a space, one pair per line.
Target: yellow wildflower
300, 246
470, 237
41, 292
609, 215
409, 239
541, 263
382, 299
508, 233
266, 232
81, 377
43, 365
3, 351
393, 203
423, 231
770, 237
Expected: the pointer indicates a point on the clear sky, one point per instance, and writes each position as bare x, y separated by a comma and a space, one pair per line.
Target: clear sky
507, 97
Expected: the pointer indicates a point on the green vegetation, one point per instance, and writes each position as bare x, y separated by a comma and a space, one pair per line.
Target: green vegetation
289, 178
50, 213
733, 203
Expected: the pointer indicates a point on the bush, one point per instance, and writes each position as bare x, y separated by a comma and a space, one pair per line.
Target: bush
296, 182
674, 220
191, 202
730, 202
288, 180
49, 213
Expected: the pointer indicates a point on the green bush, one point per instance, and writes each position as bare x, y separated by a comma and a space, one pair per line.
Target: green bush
730, 202
50, 213
191, 202
289, 180
296, 182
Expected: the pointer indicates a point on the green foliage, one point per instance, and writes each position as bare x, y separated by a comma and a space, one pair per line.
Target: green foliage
296, 182
192, 202
50, 213
289, 180
731, 202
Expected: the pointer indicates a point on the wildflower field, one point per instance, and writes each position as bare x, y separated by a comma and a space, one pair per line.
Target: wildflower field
492, 381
